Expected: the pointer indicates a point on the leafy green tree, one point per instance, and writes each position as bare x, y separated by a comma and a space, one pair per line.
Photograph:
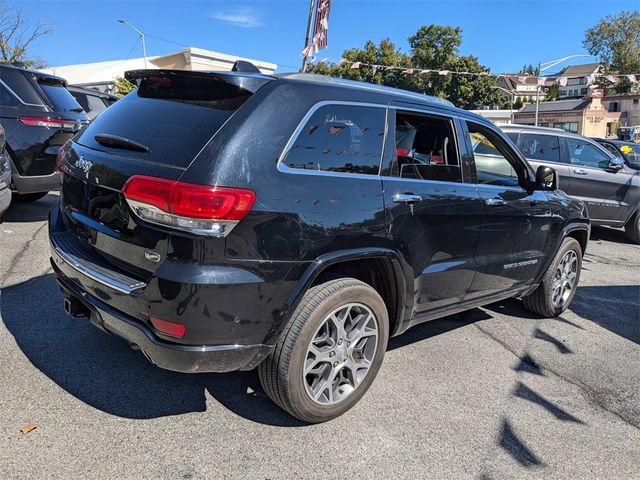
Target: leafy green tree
433, 47
528, 70
17, 35
615, 40
124, 86
552, 92
518, 103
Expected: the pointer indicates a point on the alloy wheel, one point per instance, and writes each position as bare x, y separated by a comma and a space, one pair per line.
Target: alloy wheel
340, 354
565, 279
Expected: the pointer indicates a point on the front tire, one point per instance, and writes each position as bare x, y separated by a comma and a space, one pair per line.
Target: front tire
330, 351
558, 287
632, 228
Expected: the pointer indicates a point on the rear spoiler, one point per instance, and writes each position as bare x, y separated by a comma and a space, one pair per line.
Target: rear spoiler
250, 82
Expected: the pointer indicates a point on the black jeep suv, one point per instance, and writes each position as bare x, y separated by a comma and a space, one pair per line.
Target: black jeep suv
227, 221
38, 115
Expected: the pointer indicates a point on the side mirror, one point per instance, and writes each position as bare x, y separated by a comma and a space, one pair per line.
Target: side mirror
546, 178
616, 164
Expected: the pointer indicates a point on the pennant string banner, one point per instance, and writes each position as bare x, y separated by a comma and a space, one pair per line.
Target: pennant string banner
540, 81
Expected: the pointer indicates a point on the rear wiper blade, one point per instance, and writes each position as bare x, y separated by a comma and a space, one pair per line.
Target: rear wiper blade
114, 141
77, 109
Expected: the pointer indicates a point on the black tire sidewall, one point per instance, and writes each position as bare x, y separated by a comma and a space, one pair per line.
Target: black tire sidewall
304, 406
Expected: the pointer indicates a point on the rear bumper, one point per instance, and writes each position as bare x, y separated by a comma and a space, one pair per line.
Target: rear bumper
179, 358
36, 183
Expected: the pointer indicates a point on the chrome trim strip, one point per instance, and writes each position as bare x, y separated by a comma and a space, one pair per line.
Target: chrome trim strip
122, 284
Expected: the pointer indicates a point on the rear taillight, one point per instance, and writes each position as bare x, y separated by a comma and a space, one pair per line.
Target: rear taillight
199, 209
49, 122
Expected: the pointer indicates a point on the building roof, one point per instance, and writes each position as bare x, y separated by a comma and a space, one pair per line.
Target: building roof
581, 70
104, 72
557, 106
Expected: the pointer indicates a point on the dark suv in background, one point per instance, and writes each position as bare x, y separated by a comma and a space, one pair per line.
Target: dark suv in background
587, 171
92, 101
215, 233
38, 115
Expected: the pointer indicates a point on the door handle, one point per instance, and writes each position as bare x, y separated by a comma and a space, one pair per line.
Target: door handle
494, 202
409, 198
580, 171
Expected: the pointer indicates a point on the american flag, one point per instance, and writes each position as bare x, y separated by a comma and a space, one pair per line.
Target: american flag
320, 28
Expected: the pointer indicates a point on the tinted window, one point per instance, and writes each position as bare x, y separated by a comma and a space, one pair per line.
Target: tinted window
174, 120
18, 82
513, 136
82, 100
540, 147
631, 152
584, 153
60, 98
6, 98
425, 148
492, 166
611, 149
340, 138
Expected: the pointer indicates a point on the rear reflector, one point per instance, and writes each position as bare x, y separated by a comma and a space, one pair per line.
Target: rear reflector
173, 329
50, 122
199, 209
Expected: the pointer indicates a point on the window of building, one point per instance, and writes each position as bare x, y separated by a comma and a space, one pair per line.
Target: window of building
614, 106
635, 101
567, 126
584, 153
340, 138
540, 147
425, 148
490, 156
583, 91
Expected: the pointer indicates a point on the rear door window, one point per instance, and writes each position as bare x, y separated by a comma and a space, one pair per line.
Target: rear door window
540, 147
340, 138
60, 98
18, 82
426, 148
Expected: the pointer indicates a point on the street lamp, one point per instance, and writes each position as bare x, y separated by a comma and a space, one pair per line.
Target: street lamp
144, 48
513, 98
545, 66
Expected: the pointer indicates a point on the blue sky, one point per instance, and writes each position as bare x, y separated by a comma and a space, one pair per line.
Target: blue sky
503, 34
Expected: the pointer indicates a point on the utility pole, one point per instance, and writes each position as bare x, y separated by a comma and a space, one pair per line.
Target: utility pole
307, 39
548, 65
144, 47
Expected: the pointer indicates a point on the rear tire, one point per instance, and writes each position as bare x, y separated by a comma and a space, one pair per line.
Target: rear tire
29, 197
318, 369
558, 287
632, 228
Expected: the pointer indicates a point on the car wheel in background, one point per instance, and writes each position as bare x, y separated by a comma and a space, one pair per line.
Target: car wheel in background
632, 228
330, 351
558, 287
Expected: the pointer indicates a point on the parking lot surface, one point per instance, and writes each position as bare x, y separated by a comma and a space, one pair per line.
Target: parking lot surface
492, 393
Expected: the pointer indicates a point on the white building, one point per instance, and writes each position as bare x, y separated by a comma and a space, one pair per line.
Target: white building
496, 116
102, 75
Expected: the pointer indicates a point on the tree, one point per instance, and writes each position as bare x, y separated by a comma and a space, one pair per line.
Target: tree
124, 86
528, 70
433, 47
17, 35
615, 40
518, 103
552, 92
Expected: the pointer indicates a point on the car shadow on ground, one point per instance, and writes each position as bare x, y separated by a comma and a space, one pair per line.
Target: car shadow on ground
608, 234
22, 212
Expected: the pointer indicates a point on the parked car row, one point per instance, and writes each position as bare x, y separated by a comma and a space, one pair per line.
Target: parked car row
39, 113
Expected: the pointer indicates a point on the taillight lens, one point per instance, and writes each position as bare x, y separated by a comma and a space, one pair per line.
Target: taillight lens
199, 209
49, 122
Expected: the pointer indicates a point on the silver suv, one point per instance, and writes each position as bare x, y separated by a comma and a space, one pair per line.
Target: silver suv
586, 171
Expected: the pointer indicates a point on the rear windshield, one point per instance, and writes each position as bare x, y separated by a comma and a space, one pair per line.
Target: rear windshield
60, 98
174, 121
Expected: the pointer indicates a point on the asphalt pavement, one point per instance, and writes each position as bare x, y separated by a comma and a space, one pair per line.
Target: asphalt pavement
493, 393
